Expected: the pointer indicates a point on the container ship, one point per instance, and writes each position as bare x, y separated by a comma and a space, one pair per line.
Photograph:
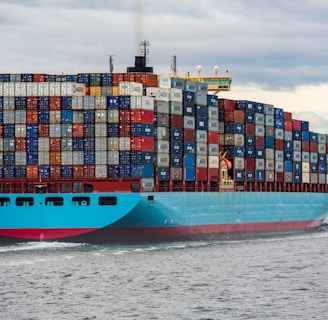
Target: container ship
141, 157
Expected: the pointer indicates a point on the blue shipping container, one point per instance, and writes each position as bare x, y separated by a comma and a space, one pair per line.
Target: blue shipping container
189, 148
163, 174
189, 174
189, 160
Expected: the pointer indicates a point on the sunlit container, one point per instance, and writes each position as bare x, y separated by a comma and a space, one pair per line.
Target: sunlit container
95, 91
163, 159
101, 158
162, 146
72, 89
201, 148
164, 81
176, 95
189, 122
8, 89
78, 158
20, 89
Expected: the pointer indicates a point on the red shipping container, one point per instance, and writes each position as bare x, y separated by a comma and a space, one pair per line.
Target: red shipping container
212, 137
32, 172
250, 163
55, 172
32, 103
87, 91
259, 142
54, 103
20, 144
124, 116
117, 78
54, 144
78, 130
297, 125
32, 117
213, 174
89, 172
250, 129
131, 77
142, 143
176, 121
78, 172
124, 130
227, 104
288, 126
305, 146
43, 130
1, 130
189, 135
279, 176
201, 174
142, 116
313, 146
149, 80
279, 144
38, 77
288, 116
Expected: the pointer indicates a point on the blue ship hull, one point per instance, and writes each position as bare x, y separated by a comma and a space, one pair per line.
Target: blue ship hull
163, 216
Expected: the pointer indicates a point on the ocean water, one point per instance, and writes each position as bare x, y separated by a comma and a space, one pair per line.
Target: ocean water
272, 278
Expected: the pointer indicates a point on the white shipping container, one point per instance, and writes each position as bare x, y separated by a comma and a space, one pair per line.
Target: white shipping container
20, 89
213, 149
305, 177
8, 117
101, 116
151, 91
78, 158
66, 158
32, 89
163, 94
201, 148
279, 166
147, 103
269, 165
147, 184
124, 143
67, 144
101, 157
1, 144
239, 139
313, 157
43, 158
77, 103
321, 148
201, 161
164, 81
259, 164
269, 154
1, 158
54, 88
136, 102
176, 95
297, 156
176, 108
20, 116
78, 116
89, 102
20, 131
101, 144
100, 171
72, 89
113, 116
112, 144
162, 146
43, 89
8, 89
213, 113
213, 125
100, 103
201, 136
54, 130
279, 134
8, 103
305, 167
189, 122
163, 160
20, 158
101, 130
213, 162
43, 144
113, 158
1, 89
239, 163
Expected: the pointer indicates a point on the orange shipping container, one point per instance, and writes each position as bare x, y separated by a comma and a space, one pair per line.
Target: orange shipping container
78, 172
55, 172
78, 130
54, 144
20, 144
32, 117
54, 158
44, 130
54, 103
38, 77
32, 172
32, 103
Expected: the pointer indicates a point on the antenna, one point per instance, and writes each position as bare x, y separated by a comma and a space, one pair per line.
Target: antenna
174, 65
111, 66
144, 50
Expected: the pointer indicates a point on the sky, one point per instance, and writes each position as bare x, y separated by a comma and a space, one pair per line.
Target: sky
275, 51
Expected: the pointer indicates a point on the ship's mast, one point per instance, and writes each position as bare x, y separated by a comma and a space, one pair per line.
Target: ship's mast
144, 50
111, 66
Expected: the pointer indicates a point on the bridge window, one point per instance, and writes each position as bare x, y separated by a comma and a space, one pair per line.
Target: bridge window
24, 201
81, 201
4, 201
54, 201
107, 201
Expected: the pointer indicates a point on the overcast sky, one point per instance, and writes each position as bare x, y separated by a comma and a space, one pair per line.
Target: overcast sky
275, 51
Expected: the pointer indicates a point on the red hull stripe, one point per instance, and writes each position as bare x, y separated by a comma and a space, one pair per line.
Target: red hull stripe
159, 232
44, 234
